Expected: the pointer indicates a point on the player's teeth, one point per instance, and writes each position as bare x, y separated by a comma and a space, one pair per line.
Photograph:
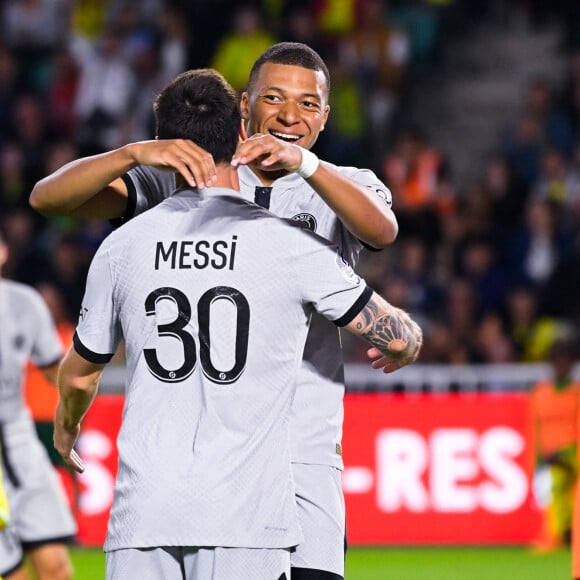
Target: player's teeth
284, 136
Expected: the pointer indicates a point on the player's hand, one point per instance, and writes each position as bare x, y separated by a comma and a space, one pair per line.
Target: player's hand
384, 362
195, 164
64, 441
399, 355
267, 153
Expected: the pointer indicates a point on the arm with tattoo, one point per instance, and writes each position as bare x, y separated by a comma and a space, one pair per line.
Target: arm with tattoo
395, 337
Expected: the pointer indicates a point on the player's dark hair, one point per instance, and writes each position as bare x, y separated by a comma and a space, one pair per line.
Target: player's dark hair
201, 106
293, 54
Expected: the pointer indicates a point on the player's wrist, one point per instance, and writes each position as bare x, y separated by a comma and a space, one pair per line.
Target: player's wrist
309, 164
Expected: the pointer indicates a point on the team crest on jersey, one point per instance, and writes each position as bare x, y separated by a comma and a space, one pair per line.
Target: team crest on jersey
346, 270
18, 341
307, 220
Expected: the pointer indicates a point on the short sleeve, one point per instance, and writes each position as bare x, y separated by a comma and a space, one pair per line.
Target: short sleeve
146, 187
369, 179
98, 333
328, 282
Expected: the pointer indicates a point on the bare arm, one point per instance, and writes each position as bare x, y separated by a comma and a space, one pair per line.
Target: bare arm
92, 187
78, 383
50, 372
395, 337
362, 212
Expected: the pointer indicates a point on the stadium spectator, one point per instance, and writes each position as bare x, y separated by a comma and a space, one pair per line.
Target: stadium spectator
123, 281
32, 132
62, 92
461, 312
300, 24
418, 175
532, 331
535, 249
522, 145
241, 46
345, 138
9, 89
480, 266
494, 346
377, 55
541, 104
33, 29
557, 181
105, 91
415, 268
506, 193
174, 42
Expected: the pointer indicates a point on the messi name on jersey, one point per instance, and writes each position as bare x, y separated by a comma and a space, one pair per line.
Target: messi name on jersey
200, 254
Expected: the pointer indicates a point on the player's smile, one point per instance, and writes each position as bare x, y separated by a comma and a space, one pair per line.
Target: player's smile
289, 138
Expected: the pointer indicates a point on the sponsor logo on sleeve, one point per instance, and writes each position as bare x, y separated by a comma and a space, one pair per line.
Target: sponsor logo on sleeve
346, 270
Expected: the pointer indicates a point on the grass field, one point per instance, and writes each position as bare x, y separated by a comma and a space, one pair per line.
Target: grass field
413, 564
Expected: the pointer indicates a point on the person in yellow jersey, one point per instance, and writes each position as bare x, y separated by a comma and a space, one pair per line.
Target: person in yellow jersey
555, 405
4, 511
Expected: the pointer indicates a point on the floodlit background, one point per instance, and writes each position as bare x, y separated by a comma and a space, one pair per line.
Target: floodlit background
469, 111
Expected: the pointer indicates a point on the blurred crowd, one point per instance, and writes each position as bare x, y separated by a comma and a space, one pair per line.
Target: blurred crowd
490, 268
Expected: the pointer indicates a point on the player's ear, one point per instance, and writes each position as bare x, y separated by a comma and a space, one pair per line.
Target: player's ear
243, 133
325, 114
245, 105
3, 253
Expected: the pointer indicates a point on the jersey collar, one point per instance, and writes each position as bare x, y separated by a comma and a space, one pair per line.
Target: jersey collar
250, 180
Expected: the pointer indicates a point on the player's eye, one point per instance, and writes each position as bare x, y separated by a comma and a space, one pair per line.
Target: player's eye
272, 98
313, 105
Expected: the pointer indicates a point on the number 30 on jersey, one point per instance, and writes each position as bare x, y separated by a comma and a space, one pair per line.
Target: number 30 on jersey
177, 329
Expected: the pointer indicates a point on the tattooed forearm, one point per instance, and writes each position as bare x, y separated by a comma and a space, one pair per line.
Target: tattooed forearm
389, 329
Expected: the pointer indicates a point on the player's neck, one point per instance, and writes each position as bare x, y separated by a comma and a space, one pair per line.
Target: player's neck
268, 177
227, 176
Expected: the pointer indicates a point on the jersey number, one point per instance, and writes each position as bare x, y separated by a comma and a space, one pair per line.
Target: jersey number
177, 329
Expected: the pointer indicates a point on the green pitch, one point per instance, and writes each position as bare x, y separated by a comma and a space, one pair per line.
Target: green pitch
456, 564
412, 564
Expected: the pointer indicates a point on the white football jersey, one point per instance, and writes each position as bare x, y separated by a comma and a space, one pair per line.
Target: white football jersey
27, 332
317, 412
213, 296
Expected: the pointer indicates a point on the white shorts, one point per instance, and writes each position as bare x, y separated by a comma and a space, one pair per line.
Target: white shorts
322, 516
198, 564
39, 509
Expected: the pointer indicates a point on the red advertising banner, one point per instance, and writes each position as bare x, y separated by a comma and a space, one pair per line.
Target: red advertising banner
98, 449
444, 469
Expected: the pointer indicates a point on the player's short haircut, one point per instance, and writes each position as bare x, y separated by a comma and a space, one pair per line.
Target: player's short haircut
200, 105
293, 54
